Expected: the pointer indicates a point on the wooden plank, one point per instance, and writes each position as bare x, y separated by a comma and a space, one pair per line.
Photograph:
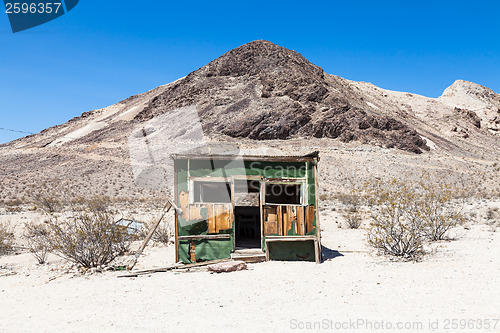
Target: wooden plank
165, 210
292, 216
219, 209
309, 218
270, 221
218, 236
176, 200
280, 220
193, 212
290, 238
198, 212
184, 202
216, 217
192, 252
173, 267
318, 234
271, 228
211, 218
224, 219
251, 259
230, 216
286, 226
176, 237
317, 251
301, 226
261, 207
245, 158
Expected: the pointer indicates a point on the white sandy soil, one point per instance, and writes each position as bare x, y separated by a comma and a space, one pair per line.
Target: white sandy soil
460, 280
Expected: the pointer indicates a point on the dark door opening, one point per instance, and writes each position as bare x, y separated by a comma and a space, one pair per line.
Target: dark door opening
247, 225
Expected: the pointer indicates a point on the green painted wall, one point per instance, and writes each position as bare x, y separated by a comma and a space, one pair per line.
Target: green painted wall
292, 251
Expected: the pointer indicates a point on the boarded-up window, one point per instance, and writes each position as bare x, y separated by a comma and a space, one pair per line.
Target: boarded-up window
211, 192
288, 219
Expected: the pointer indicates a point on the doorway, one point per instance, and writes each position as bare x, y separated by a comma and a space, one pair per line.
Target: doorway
247, 225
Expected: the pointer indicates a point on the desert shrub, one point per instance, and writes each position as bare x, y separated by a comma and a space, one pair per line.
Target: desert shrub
492, 213
47, 200
438, 210
163, 233
352, 198
396, 228
95, 203
6, 239
352, 202
352, 218
13, 203
37, 238
405, 214
90, 238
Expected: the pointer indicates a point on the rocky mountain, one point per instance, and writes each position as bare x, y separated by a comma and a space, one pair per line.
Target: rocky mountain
262, 91
261, 94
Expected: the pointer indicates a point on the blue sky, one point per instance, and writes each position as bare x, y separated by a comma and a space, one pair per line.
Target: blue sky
104, 51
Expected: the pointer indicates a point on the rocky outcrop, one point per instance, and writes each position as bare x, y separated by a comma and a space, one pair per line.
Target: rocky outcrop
262, 91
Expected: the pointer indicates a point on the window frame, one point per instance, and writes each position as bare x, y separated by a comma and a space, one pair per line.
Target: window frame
285, 181
191, 187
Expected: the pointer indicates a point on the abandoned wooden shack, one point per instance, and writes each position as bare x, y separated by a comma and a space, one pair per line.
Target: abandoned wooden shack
246, 206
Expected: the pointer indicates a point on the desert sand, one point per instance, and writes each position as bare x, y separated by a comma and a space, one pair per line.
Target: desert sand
458, 279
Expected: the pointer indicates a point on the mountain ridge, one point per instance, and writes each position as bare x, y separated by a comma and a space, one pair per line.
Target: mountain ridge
263, 97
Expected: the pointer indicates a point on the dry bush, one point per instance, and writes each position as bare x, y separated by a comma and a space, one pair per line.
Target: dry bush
492, 213
352, 218
6, 238
13, 203
352, 211
439, 209
37, 238
47, 200
396, 229
90, 238
163, 233
406, 214
96, 203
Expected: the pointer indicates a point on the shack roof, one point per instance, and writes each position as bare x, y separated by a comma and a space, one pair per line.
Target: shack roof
313, 156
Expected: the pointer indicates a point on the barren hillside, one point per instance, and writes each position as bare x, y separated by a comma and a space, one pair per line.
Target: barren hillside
264, 96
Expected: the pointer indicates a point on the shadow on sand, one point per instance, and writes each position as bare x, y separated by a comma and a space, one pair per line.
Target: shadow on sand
329, 254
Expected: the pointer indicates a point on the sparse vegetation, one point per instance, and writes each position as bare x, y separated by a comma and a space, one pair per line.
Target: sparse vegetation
437, 210
397, 228
38, 241
6, 239
47, 200
352, 214
163, 233
406, 214
91, 238
492, 213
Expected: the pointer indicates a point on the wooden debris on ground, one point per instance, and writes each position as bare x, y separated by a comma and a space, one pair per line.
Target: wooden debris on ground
8, 274
225, 267
173, 267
